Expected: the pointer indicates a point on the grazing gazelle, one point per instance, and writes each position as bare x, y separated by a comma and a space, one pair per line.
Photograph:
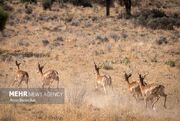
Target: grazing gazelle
21, 76
102, 80
152, 92
134, 87
48, 77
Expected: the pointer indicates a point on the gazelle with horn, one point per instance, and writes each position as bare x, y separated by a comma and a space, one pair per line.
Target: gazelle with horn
48, 77
152, 92
21, 75
102, 80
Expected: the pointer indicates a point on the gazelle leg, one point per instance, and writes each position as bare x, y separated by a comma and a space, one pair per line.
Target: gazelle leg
14, 82
58, 84
50, 84
20, 83
104, 89
145, 100
27, 85
155, 102
43, 85
165, 98
135, 96
49, 87
111, 89
96, 86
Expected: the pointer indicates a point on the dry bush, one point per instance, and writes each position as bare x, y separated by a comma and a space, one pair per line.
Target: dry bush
76, 96
157, 19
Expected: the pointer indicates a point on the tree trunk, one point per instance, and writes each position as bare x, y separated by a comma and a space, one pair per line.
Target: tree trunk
108, 2
128, 6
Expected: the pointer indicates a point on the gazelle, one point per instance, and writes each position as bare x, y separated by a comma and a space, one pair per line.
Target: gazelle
48, 77
152, 92
102, 80
133, 86
21, 76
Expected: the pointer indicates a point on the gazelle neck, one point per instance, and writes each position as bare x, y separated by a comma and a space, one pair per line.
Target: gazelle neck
127, 80
97, 73
18, 68
41, 73
141, 85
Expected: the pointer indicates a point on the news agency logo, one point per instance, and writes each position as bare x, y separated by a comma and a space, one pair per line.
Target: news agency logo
18, 93
33, 95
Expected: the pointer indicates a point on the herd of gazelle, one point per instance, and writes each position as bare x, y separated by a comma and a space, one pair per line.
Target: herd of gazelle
47, 77
149, 92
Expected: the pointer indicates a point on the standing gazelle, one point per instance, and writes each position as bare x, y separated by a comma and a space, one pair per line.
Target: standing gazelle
48, 77
102, 80
21, 76
152, 92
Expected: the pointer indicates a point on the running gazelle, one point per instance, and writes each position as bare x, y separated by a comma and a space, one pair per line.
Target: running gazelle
133, 86
152, 92
48, 77
102, 80
21, 76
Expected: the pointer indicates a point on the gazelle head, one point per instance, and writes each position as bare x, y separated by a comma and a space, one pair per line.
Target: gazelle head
40, 68
18, 64
96, 68
127, 76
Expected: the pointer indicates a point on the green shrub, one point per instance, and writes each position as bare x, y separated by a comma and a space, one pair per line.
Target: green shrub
3, 18
170, 63
125, 61
47, 4
30, 1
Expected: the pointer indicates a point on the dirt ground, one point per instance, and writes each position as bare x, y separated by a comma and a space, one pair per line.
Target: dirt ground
68, 39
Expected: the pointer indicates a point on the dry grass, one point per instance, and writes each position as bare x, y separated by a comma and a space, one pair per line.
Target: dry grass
72, 40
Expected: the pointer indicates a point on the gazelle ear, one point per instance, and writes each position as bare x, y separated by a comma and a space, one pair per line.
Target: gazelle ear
95, 65
39, 66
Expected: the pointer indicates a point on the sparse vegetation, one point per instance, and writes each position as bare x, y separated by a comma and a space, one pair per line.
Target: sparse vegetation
45, 42
102, 38
70, 37
162, 40
125, 61
6, 55
170, 63
76, 96
8, 118
114, 36
156, 19
107, 67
